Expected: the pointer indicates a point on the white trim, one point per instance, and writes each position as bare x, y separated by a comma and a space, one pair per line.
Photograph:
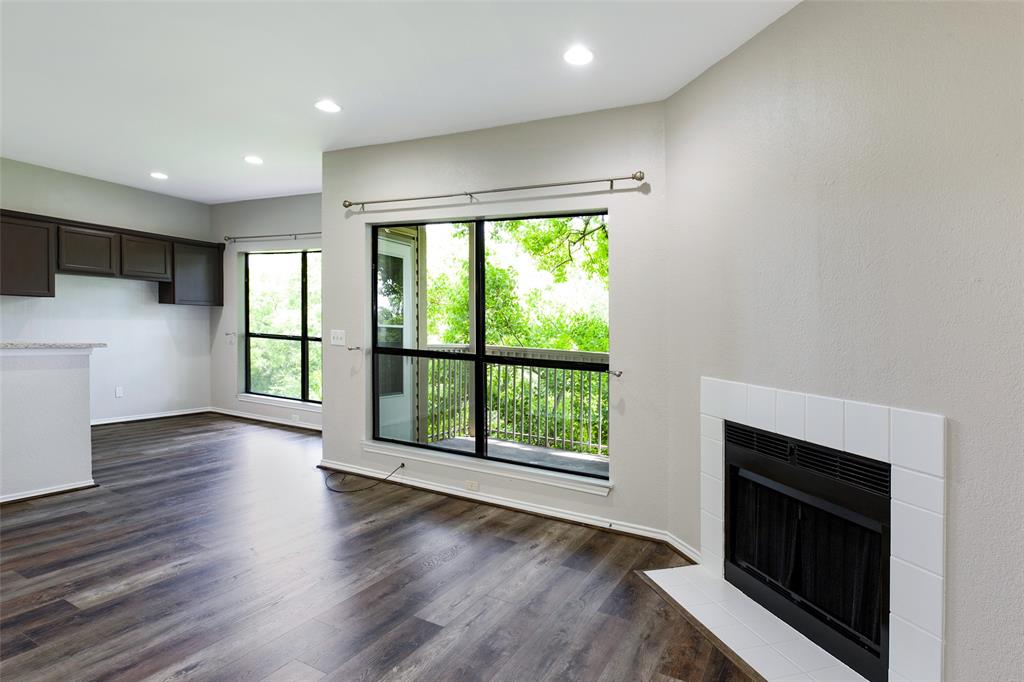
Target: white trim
264, 418
557, 479
200, 410
279, 402
151, 415
66, 487
544, 510
684, 548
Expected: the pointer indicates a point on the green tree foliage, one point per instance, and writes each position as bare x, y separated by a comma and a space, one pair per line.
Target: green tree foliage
528, 319
560, 245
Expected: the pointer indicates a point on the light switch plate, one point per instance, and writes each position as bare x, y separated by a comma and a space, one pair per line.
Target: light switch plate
119, 391
337, 337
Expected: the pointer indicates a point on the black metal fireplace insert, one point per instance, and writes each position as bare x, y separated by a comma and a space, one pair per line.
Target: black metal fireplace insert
807, 537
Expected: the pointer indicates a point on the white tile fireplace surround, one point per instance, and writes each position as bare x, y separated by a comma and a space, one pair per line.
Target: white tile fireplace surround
914, 445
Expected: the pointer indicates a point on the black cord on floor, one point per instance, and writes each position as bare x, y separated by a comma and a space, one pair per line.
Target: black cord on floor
343, 474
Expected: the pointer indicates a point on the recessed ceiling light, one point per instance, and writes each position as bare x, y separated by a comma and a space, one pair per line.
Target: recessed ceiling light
157, 175
254, 160
578, 55
328, 105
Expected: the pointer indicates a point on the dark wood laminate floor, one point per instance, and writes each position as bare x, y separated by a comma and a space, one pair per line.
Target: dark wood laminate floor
212, 550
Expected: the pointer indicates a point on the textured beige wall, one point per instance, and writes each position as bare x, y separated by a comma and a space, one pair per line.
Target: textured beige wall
847, 203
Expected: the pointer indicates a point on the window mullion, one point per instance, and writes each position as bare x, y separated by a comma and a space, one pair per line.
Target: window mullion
304, 349
480, 345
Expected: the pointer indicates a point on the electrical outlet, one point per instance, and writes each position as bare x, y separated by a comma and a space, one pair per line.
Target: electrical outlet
118, 391
337, 337
472, 485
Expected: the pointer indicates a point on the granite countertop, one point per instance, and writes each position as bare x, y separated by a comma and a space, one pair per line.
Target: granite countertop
20, 345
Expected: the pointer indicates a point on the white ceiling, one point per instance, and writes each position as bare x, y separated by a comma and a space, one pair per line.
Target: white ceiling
114, 90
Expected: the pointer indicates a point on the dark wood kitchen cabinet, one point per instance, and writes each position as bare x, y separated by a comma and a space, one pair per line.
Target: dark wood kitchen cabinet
145, 258
84, 250
34, 247
28, 257
198, 276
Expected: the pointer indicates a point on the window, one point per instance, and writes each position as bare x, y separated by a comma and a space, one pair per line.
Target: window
283, 348
490, 339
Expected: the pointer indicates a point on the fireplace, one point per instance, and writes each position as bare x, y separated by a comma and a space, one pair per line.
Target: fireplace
807, 534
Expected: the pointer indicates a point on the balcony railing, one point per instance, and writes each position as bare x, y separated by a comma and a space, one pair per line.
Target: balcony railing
556, 408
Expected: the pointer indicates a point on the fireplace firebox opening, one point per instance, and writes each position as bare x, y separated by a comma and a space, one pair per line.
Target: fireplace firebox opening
807, 533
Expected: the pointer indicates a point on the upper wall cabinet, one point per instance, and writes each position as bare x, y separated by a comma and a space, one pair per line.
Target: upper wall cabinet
88, 251
198, 276
145, 258
34, 247
28, 256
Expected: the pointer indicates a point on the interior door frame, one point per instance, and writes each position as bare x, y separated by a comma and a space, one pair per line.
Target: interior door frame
405, 250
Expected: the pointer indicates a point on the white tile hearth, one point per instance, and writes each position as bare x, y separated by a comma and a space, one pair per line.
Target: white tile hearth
763, 641
914, 443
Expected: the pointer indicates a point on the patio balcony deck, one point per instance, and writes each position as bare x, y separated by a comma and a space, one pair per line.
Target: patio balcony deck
554, 417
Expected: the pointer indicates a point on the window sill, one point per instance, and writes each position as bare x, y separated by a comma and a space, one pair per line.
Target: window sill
583, 484
286, 403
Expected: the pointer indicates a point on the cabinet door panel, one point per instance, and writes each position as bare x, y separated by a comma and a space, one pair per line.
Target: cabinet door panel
198, 276
28, 256
144, 258
86, 251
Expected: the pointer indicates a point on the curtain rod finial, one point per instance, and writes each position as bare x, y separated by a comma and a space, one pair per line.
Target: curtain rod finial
638, 176
347, 203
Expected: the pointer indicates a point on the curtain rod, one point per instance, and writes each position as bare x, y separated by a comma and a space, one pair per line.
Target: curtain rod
638, 176
259, 237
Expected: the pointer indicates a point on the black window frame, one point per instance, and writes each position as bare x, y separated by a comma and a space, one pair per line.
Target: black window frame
304, 339
477, 355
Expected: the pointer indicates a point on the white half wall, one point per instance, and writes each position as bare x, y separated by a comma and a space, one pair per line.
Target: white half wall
246, 219
160, 354
607, 143
846, 202
44, 422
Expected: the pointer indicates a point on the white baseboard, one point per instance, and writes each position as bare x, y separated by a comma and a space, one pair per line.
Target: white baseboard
683, 548
544, 510
264, 418
152, 415
199, 410
66, 487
